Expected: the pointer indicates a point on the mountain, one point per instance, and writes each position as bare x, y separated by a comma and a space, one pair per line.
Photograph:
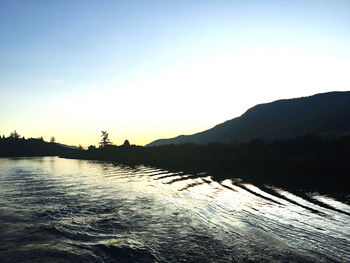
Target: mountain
325, 114
67, 146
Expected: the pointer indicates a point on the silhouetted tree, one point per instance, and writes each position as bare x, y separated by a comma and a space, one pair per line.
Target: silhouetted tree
91, 147
14, 135
81, 147
105, 140
126, 143
53, 139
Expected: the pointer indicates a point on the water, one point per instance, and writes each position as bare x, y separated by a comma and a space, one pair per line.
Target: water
60, 210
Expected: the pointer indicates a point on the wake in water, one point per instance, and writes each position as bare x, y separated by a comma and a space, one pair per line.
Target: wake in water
59, 210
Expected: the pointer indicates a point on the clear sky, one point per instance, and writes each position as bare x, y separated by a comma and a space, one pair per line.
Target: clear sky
144, 70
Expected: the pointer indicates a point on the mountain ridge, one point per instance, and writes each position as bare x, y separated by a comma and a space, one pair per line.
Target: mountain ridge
321, 114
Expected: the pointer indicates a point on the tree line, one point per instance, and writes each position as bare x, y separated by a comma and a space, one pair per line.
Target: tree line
308, 161
16, 145
15, 136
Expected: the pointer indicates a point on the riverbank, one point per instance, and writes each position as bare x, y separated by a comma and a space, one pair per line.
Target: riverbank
309, 162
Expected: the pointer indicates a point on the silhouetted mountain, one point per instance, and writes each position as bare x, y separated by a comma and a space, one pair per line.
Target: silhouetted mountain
326, 114
67, 146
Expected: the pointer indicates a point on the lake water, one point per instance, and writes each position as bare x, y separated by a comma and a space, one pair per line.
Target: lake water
61, 210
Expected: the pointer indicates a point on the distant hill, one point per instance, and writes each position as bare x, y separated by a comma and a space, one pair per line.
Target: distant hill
21, 147
68, 146
325, 114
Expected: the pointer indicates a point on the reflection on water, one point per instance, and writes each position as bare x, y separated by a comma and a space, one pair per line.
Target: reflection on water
59, 210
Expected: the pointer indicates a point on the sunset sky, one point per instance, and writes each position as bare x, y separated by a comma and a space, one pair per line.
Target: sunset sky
144, 70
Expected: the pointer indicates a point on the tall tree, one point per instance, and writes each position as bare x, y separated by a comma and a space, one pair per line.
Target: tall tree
14, 135
105, 140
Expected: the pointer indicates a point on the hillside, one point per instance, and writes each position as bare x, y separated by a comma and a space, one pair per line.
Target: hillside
326, 114
21, 147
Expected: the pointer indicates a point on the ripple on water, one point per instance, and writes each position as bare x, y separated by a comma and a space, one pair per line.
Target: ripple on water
60, 210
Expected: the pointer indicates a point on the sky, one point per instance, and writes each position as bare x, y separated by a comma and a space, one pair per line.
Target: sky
145, 70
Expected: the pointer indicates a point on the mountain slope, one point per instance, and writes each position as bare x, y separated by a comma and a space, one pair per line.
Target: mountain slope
322, 114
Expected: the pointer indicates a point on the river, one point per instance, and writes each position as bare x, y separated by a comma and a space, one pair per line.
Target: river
62, 210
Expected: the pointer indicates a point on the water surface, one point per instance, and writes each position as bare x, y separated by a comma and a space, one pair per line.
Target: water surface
61, 210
